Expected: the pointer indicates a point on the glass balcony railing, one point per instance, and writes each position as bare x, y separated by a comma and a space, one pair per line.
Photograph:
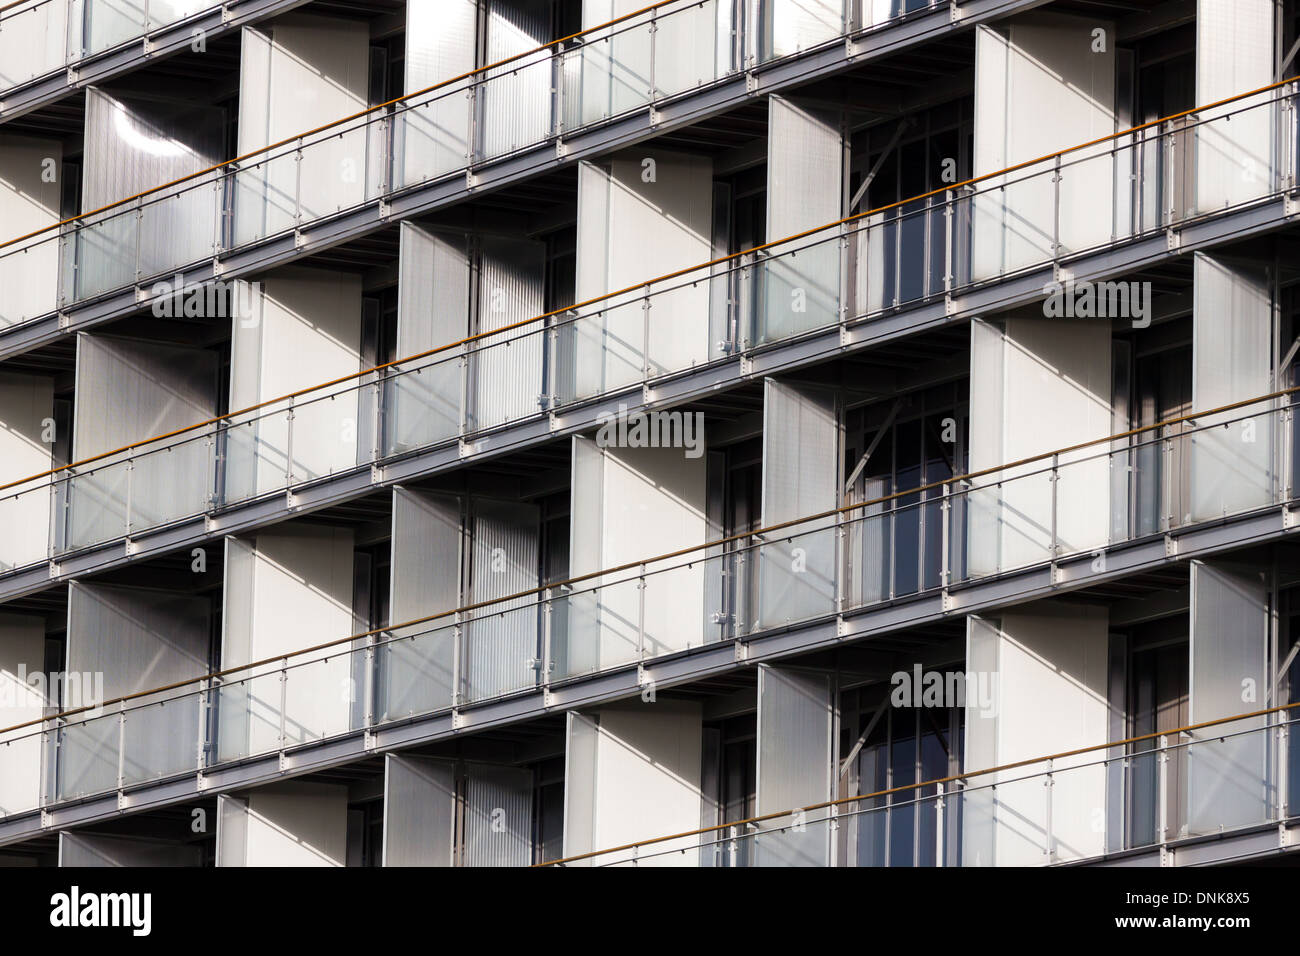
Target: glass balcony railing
1228, 776
848, 272
516, 104
853, 558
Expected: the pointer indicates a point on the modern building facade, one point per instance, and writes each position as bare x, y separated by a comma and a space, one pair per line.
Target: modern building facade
716, 433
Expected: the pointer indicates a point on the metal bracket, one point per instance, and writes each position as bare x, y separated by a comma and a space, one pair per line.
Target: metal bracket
226, 14
376, 474
457, 720
561, 149
65, 321
746, 366
751, 82
121, 802
201, 782
299, 239
55, 570
1288, 518
385, 209
46, 820
1171, 546
742, 652
284, 762
471, 180
1173, 240
949, 304
655, 118
370, 740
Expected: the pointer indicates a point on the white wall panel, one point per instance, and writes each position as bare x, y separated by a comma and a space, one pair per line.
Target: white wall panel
104, 850
1234, 54
29, 200
633, 772
1049, 688
630, 230
1039, 87
1227, 779
418, 675
285, 824
286, 589
26, 406
297, 73
796, 724
644, 501
419, 811
800, 478
1038, 385
306, 329
33, 40
1232, 360
22, 653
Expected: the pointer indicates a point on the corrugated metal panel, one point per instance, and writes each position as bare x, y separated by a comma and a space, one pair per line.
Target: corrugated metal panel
979, 844
501, 645
1232, 360
433, 137
795, 760
137, 639
417, 675
498, 816
1227, 779
432, 311
515, 99
22, 652
800, 466
128, 390
1234, 53
134, 145
805, 173
508, 379
419, 811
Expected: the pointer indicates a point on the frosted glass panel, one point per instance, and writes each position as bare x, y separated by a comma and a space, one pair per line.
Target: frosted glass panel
794, 761
1227, 779
419, 811
1232, 466
498, 816
800, 458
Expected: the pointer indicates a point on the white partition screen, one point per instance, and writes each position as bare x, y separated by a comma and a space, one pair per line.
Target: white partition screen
805, 172
498, 816
1232, 360
800, 465
1227, 778
419, 811
417, 671
133, 639
796, 724
1234, 54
